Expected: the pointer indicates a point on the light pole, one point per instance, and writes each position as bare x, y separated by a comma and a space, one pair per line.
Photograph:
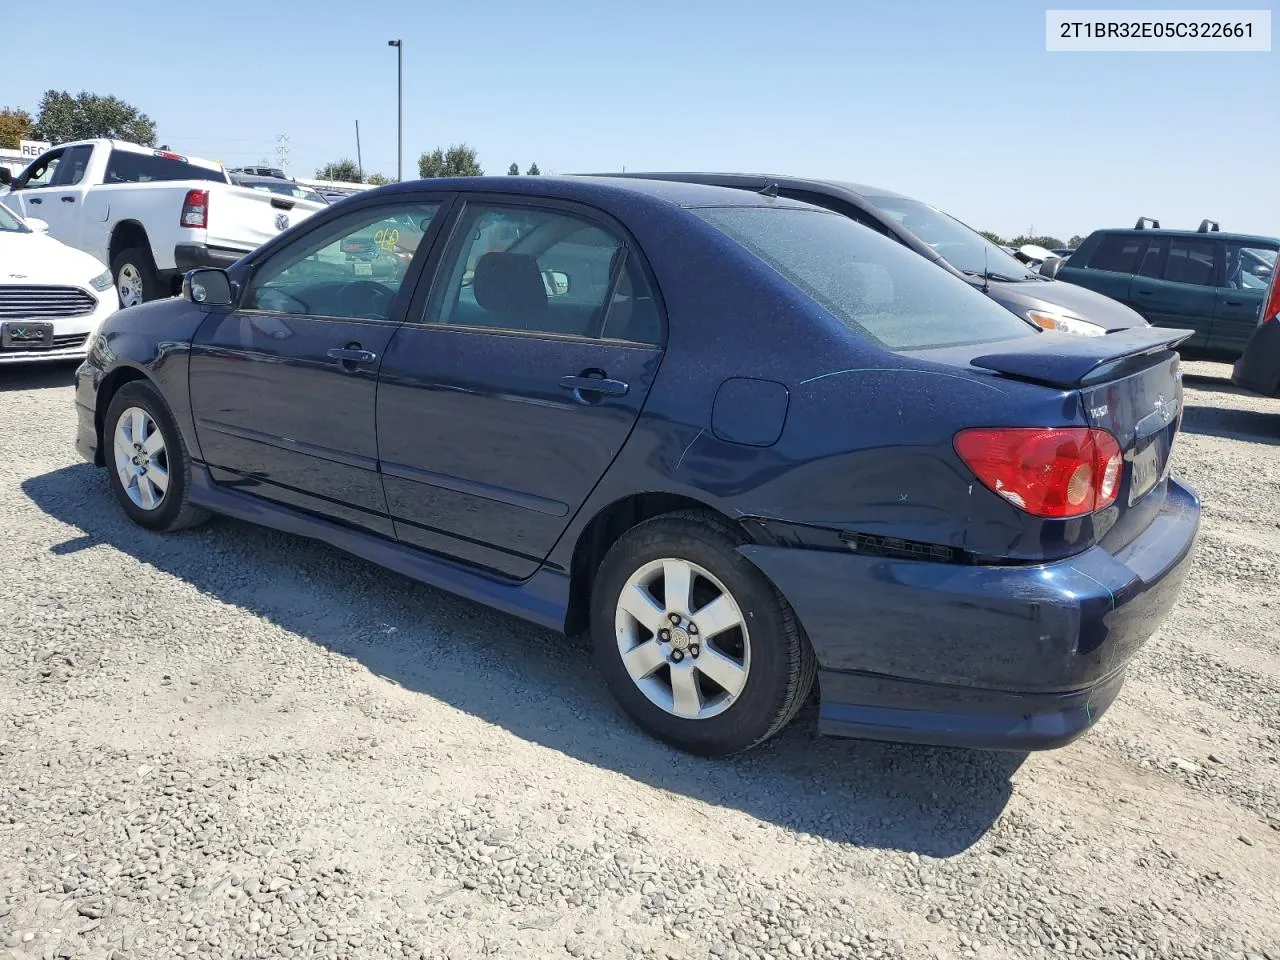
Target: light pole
399, 45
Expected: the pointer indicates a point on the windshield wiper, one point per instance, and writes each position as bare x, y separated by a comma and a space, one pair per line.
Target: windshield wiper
988, 275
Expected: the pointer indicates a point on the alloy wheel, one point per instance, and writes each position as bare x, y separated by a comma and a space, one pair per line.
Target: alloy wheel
129, 286
683, 639
142, 462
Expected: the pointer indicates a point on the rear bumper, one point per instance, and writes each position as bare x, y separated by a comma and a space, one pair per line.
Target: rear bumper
1017, 657
1258, 368
189, 256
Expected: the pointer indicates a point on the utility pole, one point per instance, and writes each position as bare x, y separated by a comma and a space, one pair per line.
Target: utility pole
359, 159
282, 150
399, 45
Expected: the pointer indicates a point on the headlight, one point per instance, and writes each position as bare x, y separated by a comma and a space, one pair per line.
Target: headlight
1064, 324
102, 281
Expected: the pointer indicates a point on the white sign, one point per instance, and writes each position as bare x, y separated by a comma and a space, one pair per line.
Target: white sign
32, 148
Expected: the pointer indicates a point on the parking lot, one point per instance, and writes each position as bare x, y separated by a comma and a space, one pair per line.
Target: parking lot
232, 742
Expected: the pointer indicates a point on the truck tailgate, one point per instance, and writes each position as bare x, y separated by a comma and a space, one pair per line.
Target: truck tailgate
242, 218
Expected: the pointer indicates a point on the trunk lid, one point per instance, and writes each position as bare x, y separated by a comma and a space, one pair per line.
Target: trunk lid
243, 218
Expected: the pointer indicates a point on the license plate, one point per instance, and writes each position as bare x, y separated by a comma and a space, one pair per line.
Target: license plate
28, 336
1145, 469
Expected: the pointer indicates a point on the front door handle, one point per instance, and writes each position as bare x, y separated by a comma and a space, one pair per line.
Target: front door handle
68, 199
34, 200
351, 354
601, 385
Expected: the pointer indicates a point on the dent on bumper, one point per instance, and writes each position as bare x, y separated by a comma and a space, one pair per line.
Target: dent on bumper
1018, 656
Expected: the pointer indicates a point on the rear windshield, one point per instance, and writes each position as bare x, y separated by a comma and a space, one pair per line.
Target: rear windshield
878, 288
128, 166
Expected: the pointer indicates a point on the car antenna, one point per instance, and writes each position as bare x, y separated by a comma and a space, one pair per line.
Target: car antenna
986, 274
769, 191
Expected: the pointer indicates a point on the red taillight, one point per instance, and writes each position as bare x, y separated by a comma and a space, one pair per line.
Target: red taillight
1271, 309
1048, 472
195, 209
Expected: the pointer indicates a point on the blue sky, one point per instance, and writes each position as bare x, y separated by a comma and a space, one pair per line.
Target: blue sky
919, 97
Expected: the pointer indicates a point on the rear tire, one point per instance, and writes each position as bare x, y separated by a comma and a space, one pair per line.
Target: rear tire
148, 466
722, 664
135, 277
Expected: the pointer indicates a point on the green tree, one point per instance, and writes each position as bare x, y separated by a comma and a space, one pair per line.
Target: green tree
533, 170
513, 171
1042, 241
377, 179
1075, 241
994, 238
458, 161
62, 117
15, 126
344, 170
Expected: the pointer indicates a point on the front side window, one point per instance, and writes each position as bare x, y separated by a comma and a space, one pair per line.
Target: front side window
543, 271
1250, 267
74, 163
1191, 261
876, 287
42, 172
351, 267
1120, 252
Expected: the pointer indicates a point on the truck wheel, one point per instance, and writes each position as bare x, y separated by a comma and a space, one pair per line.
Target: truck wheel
135, 275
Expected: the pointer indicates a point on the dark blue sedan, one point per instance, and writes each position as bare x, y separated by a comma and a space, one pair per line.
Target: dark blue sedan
744, 441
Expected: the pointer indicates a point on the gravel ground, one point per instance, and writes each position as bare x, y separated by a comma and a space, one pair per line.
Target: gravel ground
235, 743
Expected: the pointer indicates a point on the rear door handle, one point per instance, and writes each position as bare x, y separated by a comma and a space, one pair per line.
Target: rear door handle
351, 355
34, 200
610, 388
1234, 303
68, 199
1146, 293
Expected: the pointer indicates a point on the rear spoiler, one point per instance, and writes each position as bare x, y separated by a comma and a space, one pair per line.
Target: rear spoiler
1060, 360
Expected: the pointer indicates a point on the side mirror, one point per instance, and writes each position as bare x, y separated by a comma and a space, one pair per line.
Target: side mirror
208, 287
6, 177
556, 282
38, 225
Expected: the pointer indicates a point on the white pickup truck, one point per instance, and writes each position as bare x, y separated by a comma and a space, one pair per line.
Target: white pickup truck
150, 214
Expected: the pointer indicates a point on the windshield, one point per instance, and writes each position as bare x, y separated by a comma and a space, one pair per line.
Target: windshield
9, 223
961, 246
875, 286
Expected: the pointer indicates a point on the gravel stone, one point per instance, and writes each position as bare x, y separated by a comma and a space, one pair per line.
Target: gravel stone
234, 743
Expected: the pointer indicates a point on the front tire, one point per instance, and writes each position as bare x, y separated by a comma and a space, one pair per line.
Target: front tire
148, 466
694, 642
135, 276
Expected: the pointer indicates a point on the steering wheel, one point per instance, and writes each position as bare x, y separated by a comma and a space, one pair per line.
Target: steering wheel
366, 299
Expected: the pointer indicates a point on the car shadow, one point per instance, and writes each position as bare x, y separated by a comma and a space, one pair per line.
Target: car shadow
50, 375
1232, 423
542, 687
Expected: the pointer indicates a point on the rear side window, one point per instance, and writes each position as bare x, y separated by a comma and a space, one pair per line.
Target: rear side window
126, 166
1151, 260
1191, 261
1120, 252
874, 286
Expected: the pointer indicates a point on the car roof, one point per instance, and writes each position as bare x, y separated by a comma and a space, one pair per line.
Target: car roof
601, 187
747, 180
257, 178
1203, 235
